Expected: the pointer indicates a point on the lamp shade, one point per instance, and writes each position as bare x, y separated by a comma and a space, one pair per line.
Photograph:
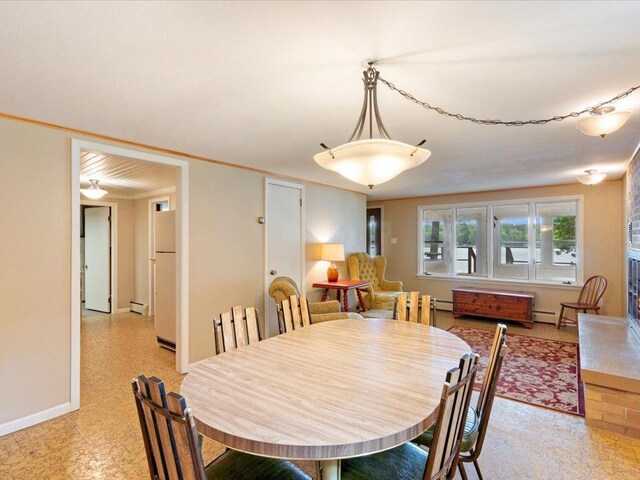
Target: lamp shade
604, 124
592, 177
94, 192
372, 162
332, 252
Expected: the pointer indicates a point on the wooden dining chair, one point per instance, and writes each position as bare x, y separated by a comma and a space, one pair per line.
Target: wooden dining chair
588, 301
477, 421
236, 328
409, 461
171, 443
412, 308
293, 313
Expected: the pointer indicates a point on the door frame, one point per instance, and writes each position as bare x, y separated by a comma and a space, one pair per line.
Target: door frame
151, 250
114, 248
267, 278
182, 257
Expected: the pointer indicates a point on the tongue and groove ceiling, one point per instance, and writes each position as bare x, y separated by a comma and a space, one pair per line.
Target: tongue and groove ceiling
262, 84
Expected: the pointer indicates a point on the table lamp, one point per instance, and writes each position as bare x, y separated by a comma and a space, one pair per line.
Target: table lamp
332, 252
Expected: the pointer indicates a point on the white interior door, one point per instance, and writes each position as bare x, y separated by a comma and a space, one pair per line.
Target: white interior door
97, 258
284, 219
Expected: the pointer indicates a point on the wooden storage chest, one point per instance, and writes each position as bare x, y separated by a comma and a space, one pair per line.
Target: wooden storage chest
498, 304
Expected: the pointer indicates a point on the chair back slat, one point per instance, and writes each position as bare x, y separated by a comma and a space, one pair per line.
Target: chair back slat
414, 306
253, 327
295, 311
236, 328
593, 290
401, 307
305, 312
452, 412
239, 326
169, 433
149, 419
287, 323
228, 333
189, 466
425, 310
165, 432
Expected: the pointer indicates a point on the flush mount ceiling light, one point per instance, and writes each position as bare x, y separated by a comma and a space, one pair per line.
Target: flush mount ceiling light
374, 160
94, 192
592, 177
603, 121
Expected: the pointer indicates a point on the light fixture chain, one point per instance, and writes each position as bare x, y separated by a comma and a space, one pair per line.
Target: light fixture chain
511, 123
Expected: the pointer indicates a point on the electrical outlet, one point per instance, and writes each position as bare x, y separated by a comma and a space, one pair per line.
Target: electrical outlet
394, 241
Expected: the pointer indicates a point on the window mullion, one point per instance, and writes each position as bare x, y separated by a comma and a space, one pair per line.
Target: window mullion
532, 241
490, 240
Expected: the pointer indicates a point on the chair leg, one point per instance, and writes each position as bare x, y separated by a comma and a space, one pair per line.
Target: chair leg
463, 472
475, 464
560, 317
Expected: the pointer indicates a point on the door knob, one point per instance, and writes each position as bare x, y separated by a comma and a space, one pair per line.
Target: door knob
273, 272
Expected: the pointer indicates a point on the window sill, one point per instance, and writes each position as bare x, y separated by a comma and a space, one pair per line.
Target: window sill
501, 281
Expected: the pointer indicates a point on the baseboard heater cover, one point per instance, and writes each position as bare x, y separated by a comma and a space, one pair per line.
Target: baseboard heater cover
141, 308
166, 344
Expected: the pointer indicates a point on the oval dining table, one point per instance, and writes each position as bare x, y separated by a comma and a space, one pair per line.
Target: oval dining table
329, 391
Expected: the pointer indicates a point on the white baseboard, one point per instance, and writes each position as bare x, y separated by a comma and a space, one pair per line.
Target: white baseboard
33, 419
123, 310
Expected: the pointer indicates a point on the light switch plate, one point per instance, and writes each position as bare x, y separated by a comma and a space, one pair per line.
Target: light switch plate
394, 241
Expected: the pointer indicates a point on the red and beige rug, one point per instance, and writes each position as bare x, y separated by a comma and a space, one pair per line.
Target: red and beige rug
535, 370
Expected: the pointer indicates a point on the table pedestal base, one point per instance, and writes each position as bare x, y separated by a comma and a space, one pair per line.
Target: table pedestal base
331, 469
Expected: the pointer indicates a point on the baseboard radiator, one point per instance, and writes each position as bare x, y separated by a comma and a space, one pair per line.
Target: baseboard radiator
138, 307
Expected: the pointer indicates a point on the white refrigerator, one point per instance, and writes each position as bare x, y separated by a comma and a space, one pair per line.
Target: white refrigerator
165, 284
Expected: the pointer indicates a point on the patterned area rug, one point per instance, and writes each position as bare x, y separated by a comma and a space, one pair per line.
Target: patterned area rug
535, 370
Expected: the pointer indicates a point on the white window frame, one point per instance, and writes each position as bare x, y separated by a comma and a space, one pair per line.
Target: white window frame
531, 202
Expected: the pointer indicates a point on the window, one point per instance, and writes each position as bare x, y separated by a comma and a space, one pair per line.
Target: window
530, 241
374, 231
556, 245
471, 241
436, 241
511, 233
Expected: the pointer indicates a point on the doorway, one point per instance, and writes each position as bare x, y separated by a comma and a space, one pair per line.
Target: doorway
374, 231
284, 241
98, 257
181, 181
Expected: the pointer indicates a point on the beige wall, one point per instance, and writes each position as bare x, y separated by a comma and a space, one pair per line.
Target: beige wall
323, 225
226, 257
603, 219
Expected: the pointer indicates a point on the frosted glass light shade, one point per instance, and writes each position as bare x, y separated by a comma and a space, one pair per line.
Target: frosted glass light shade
591, 177
372, 162
332, 252
601, 125
94, 192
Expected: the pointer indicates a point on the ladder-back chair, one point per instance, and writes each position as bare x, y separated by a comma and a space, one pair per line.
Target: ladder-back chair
477, 421
293, 313
588, 301
415, 308
171, 443
236, 328
409, 461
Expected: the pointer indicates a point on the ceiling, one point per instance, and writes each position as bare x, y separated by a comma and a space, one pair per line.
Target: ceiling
262, 84
124, 177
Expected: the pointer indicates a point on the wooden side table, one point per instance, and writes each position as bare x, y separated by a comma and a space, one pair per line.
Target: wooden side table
342, 287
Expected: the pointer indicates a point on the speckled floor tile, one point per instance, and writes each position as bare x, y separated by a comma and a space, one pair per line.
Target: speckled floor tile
102, 440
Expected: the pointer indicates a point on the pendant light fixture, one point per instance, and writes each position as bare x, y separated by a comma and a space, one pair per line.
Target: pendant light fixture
371, 161
603, 121
94, 192
592, 177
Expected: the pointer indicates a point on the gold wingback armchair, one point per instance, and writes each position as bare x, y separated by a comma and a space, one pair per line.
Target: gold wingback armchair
381, 295
283, 287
